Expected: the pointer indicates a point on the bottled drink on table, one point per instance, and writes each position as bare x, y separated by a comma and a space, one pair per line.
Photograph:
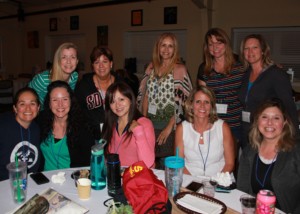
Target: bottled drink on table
98, 168
113, 174
265, 202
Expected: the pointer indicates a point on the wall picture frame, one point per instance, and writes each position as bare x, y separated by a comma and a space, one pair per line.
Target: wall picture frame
74, 22
102, 35
170, 15
136, 17
53, 24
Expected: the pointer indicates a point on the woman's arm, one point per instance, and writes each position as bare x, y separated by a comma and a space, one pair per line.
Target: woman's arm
145, 104
163, 136
179, 144
229, 153
144, 135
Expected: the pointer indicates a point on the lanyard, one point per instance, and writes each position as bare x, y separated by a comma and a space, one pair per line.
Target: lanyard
205, 161
262, 184
23, 144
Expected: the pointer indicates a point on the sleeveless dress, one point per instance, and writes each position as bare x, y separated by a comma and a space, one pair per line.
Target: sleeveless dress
212, 150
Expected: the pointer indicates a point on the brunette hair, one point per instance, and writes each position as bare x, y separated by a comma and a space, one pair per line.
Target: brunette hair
156, 58
99, 51
56, 71
110, 117
22, 91
222, 37
265, 48
287, 140
188, 106
74, 119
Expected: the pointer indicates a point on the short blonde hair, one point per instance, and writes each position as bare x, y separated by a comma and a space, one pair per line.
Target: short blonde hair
188, 106
56, 72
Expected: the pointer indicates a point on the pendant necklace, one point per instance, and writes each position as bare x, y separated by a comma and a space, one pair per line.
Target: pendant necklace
102, 92
262, 184
23, 144
122, 137
204, 161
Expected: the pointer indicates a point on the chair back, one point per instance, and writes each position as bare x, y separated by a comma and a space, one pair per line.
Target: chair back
6, 91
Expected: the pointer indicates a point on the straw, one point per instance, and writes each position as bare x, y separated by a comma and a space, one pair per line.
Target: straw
176, 172
17, 177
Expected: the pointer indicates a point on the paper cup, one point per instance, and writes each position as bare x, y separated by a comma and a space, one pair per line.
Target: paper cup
84, 188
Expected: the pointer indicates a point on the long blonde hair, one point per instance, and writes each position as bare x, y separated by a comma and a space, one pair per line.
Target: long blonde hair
156, 59
56, 71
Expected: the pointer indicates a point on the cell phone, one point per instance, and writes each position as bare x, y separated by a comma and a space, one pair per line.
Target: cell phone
194, 186
39, 178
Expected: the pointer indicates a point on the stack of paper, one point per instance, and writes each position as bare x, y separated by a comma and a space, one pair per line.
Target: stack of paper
199, 205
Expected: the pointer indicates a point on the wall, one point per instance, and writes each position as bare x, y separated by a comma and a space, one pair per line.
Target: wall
117, 17
17, 57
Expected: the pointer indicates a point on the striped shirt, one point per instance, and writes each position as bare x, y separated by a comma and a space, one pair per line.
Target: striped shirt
226, 89
41, 81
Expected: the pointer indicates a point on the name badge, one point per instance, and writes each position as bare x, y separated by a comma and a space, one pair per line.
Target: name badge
221, 108
152, 109
246, 116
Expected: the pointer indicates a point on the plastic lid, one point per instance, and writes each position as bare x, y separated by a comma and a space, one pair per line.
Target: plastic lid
174, 162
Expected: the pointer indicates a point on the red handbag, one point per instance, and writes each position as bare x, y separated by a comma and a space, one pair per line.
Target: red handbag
143, 190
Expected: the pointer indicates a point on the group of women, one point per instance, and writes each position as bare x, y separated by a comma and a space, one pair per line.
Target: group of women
207, 124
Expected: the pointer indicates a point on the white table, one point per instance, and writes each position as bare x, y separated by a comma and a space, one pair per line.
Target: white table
95, 203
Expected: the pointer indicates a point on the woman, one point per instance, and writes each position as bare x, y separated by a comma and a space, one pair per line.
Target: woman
221, 72
263, 80
19, 134
91, 90
64, 65
163, 91
204, 141
66, 140
127, 132
273, 160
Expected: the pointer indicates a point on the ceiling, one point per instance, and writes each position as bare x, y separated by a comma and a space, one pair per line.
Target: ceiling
10, 7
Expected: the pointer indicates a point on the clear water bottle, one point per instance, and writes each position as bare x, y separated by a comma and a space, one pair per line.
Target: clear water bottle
113, 175
98, 169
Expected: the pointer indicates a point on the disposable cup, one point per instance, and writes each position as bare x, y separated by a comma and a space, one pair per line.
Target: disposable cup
84, 188
209, 188
248, 203
18, 180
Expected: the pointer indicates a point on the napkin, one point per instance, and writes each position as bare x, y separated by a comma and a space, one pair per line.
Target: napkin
59, 178
200, 205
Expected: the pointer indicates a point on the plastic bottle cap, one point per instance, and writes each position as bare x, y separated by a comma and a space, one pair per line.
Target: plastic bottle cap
174, 162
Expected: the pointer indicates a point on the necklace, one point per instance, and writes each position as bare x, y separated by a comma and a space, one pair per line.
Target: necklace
204, 161
25, 153
262, 184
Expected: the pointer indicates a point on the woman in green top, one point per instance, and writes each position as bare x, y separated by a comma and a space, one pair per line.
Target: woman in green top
66, 139
64, 65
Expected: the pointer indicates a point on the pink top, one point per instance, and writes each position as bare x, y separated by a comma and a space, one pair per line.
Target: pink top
139, 147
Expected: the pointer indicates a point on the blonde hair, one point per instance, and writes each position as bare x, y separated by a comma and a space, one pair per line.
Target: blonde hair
156, 59
57, 73
188, 105
287, 140
222, 37
265, 48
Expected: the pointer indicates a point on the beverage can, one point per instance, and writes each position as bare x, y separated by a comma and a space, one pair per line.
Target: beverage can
265, 202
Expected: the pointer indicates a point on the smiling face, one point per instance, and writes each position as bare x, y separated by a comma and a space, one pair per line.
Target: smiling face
201, 105
102, 67
60, 102
167, 49
252, 51
216, 48
68, 60
271, 123
120, 105
26, 108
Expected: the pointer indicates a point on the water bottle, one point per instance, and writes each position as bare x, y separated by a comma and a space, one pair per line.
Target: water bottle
98, 169
113, 175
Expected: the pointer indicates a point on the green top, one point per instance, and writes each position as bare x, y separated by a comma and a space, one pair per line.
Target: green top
56, 155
